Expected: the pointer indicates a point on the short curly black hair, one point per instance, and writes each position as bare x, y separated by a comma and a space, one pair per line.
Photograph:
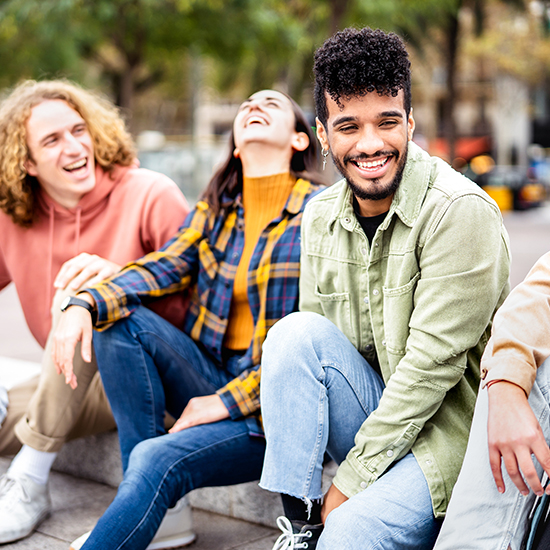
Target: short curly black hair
358, 61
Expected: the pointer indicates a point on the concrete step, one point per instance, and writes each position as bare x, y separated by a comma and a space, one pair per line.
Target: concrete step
97, 458
78, 504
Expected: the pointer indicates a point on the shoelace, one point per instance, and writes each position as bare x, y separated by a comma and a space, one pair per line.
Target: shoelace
290, 540
11, 492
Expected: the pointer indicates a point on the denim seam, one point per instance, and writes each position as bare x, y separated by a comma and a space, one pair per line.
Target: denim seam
163, 480
358, 395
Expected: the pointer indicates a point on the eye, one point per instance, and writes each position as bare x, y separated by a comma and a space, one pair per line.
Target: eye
272, 104
347, 128
50, 141
79, 130
390, 123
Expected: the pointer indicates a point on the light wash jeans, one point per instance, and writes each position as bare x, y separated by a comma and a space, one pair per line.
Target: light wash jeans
149, 366
478, 516
316, 392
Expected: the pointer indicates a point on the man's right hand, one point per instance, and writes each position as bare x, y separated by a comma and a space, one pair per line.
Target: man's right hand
74, 326
515, 434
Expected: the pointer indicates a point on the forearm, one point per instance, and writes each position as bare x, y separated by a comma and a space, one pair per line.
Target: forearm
519, 342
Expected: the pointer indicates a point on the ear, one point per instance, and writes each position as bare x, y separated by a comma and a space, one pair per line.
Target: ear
300, 141
410, 125
322, 135
236, 153
30, 167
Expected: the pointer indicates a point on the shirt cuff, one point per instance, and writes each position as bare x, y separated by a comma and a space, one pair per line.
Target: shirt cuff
231, 405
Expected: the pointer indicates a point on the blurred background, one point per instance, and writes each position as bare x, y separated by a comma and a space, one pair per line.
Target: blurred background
179, 69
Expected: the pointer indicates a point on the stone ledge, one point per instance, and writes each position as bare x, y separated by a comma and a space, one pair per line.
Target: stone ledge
97, 458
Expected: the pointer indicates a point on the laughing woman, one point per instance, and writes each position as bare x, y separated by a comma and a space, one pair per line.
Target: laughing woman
238, 253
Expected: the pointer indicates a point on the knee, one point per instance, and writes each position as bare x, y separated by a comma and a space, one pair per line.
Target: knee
295, 341
343, 530
149, 470
295, 331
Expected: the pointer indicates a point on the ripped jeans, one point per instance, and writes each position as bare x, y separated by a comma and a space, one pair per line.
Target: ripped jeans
316, 392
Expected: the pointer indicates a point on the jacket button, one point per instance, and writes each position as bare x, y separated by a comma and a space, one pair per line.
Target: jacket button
376, 292
363, 485
366, 299
390, 453
368, 347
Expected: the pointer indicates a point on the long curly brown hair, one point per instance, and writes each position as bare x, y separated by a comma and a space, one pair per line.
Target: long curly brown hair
112, 142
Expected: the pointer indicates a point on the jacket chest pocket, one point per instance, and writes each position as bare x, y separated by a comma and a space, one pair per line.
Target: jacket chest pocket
398, 308
337, 309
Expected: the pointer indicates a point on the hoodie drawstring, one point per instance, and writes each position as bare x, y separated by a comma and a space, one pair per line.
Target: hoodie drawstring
49, 293
77, 230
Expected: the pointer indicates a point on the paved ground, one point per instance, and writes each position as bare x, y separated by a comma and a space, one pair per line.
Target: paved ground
78, 503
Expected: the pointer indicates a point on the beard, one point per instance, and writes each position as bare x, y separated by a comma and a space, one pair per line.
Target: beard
380, 191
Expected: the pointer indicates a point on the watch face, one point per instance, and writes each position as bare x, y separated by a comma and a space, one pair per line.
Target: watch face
65, 303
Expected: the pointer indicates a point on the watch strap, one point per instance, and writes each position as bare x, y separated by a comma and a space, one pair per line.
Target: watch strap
74, 301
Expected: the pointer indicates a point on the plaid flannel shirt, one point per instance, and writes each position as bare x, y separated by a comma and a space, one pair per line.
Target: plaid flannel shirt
204, 255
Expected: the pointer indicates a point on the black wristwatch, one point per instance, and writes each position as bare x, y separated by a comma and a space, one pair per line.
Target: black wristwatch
72, 301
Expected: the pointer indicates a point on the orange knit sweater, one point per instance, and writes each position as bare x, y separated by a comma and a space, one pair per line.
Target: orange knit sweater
263, 200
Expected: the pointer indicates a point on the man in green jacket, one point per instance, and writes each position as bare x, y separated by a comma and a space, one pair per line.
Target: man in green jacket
404, 263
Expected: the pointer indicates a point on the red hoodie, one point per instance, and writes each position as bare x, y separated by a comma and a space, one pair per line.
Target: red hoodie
130, 212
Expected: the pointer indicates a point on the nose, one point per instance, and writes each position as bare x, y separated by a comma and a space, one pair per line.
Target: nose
370, 141
71, 144
255, 103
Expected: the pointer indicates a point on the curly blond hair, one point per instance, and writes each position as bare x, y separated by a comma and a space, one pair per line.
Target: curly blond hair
112, 143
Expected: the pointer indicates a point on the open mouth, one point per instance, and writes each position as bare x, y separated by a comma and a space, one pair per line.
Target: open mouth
372, 165
79, 164
255, 119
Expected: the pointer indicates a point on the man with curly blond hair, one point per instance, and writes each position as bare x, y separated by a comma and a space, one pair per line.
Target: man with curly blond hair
74, 207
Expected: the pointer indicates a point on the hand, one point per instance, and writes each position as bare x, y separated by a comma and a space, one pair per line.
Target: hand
201, 410
515, 434
84, 268
74, 326
332, 500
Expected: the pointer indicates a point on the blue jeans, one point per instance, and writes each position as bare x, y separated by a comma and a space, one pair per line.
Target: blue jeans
316, 392
148, 366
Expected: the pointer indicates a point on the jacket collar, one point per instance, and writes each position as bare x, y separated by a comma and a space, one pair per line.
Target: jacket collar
407, 201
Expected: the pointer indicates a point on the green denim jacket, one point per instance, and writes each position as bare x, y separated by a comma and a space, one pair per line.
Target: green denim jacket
421, 299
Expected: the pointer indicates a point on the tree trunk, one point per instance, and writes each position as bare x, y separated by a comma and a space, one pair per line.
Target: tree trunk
449, 124
338, 10
125, 92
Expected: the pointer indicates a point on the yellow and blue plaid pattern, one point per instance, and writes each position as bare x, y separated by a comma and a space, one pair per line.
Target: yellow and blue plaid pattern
204, 256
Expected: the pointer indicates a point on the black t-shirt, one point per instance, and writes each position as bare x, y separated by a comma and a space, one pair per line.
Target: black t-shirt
368, 223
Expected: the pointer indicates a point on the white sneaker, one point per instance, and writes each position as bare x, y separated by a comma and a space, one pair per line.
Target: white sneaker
175, 530
24, 504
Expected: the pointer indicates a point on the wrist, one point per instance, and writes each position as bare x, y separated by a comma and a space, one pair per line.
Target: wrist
505, 386
71, 301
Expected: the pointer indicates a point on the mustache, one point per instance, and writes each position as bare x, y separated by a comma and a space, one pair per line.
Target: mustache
363, 157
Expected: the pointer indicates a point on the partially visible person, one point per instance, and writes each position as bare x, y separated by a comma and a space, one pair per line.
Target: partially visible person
74, 207
508, 447
239, 254
404, 263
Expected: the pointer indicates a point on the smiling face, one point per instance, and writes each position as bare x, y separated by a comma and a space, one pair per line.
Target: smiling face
368, 139
61, 153
267, 118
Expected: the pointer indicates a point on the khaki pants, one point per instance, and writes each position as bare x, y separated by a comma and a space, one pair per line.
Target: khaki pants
44, 412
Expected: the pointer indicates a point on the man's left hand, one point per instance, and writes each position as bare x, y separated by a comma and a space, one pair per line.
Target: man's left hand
201, 410
84, 268
332, 500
